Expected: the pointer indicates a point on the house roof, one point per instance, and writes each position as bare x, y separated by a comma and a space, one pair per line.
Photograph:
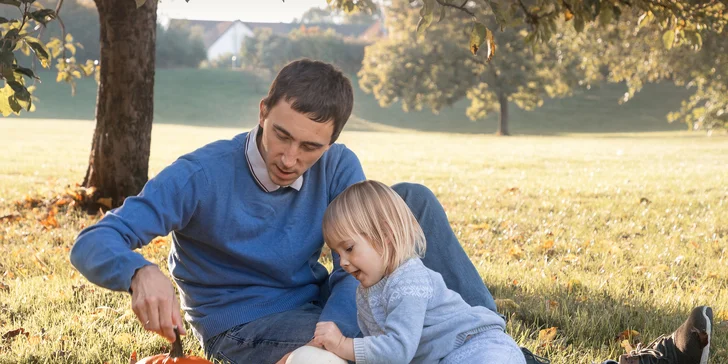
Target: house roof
213, 29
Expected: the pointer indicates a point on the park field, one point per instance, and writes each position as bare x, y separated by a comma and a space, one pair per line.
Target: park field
580, 237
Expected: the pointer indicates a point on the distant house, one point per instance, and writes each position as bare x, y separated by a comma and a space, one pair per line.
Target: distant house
226, 37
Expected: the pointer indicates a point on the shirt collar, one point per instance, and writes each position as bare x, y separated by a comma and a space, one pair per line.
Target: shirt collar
258, 168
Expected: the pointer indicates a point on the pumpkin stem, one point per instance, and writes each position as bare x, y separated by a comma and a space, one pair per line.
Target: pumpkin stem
176, 346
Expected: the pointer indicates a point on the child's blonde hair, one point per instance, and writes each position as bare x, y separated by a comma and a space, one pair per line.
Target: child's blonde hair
371, 210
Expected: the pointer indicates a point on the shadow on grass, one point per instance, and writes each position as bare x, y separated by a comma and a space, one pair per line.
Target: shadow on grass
588, 319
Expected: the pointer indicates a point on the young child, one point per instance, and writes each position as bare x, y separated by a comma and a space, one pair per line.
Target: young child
405, 311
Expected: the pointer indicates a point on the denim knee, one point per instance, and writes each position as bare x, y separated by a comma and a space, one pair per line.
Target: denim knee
413, 192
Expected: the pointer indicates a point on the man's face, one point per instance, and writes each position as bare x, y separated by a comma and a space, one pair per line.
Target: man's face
291, 142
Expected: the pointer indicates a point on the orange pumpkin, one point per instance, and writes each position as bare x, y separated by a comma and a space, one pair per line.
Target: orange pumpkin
176, 356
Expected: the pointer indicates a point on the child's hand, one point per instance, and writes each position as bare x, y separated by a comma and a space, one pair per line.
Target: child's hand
328, 336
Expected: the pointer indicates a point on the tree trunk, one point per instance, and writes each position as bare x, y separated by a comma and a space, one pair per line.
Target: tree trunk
119, 160
503, 124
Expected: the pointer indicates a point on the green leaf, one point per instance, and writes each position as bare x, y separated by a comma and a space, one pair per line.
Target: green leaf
139, 3
425, 17
7, 57
500, 17
668, 38
594, 6
10, 39
25, 71
21, 93
41, 52
477, 36
3, 20
606, 16
579, 23
43, 16
14, 104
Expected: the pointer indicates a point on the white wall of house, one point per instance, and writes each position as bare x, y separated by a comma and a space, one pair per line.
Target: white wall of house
230, 41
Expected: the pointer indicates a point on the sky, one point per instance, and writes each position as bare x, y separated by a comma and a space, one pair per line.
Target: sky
245, 10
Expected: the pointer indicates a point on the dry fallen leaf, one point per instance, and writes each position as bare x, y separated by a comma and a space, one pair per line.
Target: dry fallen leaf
546, 336
13, 333
628, 335
626, 345
552, 304
573, 285
516, 252
505, 304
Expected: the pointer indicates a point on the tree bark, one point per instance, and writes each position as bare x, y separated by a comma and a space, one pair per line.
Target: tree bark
119, 160
503, 123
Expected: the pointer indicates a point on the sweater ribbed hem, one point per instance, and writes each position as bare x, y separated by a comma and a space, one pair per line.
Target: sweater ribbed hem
224, 320
359, 351
460, 340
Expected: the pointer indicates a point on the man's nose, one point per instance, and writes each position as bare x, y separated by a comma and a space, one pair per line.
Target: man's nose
289, 158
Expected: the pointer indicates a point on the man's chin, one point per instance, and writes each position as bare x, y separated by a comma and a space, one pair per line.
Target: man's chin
283, 182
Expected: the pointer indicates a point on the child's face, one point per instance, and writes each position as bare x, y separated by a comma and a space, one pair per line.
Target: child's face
361, 260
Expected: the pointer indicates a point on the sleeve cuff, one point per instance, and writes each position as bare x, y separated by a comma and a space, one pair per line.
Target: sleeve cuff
360, 351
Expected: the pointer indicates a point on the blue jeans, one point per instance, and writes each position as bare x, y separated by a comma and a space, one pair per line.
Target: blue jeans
269, 338
492, 346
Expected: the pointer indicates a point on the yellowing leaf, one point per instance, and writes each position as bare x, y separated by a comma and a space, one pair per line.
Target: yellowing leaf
477, 37
668, 38
548, 244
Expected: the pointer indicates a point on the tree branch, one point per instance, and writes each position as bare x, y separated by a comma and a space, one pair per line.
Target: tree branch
533, 18
461, 7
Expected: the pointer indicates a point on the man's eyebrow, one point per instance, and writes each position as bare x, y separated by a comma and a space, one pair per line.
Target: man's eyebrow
284, 131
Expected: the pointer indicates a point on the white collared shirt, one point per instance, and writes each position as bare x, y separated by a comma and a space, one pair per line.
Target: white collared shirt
258, 168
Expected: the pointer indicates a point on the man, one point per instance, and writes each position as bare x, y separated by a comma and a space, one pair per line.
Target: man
245, 216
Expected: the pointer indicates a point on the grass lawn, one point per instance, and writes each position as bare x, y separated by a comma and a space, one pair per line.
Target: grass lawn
590, 234
230, 99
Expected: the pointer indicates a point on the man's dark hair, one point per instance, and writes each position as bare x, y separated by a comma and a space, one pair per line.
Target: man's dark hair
316, 89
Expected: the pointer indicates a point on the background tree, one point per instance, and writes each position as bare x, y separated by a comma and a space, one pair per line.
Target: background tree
271, 52
176, 47
329, 15
119, 159
700, 63
431, 71
681, 18
21, 48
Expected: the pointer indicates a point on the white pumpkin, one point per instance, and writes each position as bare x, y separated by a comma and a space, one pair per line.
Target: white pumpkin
313, 355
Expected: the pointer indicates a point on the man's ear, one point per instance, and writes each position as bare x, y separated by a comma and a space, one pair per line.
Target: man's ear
263, 113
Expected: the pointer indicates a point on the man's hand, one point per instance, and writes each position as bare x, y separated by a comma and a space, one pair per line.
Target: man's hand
328, 336
154, 302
